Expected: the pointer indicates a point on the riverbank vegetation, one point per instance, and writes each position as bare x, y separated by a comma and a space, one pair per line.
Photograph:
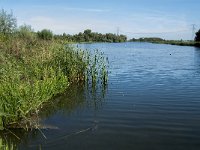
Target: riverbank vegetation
34, 67
179, 42
89, 36
147, 39
158, 40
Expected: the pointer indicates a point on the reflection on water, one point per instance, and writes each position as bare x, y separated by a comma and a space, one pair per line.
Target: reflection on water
196, 57
7, 143
76, 98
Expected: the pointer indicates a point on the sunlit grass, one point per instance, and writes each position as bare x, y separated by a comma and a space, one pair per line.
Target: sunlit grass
33, 72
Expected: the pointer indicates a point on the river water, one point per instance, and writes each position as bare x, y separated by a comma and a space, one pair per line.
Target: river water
152, 101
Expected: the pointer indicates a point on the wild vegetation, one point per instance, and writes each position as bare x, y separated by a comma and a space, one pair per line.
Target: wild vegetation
146, 39
34, 67
179, 42
157, 40
89, 36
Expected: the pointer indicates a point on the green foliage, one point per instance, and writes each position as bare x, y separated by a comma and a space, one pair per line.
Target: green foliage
32, 74
89, 36
6, 144
26, 32
32, 70
8, 22
45, 34
27, 82
173, 42
197, 38
147, 39
87, 32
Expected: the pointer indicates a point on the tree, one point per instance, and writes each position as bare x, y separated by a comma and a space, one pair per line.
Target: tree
26, 32
89, 36
8, 22
197, 38
45, 34
88, 31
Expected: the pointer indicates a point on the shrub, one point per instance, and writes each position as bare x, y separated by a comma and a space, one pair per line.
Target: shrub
45, 34
26, 32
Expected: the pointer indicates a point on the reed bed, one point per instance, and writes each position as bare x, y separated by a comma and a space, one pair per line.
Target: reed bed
33, 71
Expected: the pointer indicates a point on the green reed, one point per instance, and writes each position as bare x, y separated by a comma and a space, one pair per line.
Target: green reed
5, 146
32, 72
97, 70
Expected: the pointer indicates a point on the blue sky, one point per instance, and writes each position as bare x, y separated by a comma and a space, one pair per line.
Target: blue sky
169, 19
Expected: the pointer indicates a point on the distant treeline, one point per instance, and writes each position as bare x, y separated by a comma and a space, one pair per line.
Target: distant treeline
146, 39
195, 42
89, 36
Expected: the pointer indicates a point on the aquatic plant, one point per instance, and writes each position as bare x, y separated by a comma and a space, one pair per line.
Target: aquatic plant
5, 145
33, 69
97, 70
32, 74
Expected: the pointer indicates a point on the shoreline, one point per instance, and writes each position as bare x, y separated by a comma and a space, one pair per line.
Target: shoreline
178, 43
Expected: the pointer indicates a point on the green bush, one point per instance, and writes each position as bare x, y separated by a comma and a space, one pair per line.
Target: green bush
45, 34
26, 32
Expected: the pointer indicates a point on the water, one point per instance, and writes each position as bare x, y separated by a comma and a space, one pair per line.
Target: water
152, 102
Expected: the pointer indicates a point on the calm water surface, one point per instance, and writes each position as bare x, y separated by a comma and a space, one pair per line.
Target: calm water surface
152, 102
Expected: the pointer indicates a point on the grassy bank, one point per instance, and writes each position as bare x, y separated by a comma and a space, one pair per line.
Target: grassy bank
33, 71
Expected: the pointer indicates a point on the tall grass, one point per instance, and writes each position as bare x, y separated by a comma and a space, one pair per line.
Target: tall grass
7, 145
33, 71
